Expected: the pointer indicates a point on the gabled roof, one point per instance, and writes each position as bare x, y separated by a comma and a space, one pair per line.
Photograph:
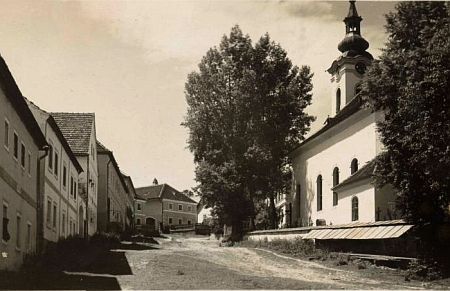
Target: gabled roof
51, 121
351, 108
162, 191
13, 94
102, 150
77, 129
365, 172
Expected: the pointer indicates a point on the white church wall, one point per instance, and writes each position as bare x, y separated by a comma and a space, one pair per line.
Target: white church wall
355, 137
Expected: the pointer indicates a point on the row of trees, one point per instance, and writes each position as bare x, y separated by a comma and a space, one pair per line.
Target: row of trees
246, 111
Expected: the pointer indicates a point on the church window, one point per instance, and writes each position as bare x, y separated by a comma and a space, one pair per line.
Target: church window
338, 100
355, 210
335, 183
354, 166
319, 193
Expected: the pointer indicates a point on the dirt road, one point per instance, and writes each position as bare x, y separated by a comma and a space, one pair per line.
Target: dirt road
200, 263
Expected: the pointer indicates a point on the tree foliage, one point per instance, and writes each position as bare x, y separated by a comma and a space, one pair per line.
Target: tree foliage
411, 83
245, 112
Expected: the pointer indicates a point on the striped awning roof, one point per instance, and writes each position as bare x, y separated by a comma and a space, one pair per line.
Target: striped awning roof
360, 232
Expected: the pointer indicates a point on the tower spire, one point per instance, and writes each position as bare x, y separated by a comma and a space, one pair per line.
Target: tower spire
353, 41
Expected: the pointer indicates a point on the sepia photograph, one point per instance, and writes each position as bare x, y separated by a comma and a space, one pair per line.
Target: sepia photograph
224, 145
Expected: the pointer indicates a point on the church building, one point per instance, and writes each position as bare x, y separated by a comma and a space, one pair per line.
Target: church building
332, 169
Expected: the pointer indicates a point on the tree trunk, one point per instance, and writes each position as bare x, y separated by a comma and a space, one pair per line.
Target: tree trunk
272, 212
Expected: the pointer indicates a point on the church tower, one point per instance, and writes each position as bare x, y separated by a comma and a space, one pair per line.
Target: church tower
348, 69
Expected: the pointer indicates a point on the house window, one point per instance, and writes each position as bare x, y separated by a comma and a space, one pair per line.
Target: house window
71, 186
50, 157
335, 183
6, 134
354, 166
49, 212
28, 239
138, 221
180, 207
180, 221
75, 190
170, 220
319, 192
63, 225
355, 210
5, 233
54, 216
22, 155
56, 164
139, 206
189, 222
64, 177
18, 225
29, 163
170, 206
16, 146
338, 100
189, 209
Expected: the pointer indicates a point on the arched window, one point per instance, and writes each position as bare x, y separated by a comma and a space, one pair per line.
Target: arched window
354, 166
319, 192
338, 100
335, 183
355, 210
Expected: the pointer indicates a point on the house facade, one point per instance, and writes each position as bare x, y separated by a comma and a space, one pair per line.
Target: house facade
332, 169
59, 176
129, 220
159, 207
79, 131
20, 155
112, 200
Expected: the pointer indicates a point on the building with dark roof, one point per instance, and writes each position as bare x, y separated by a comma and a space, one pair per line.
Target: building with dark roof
79, 131
23, 148
333, 168
160, 206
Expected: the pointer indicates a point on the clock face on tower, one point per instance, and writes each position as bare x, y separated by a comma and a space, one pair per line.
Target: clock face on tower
360, 68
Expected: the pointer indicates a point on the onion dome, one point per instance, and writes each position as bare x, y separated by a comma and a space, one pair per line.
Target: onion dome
353, 43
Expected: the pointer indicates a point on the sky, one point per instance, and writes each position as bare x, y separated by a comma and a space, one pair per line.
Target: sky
128, 60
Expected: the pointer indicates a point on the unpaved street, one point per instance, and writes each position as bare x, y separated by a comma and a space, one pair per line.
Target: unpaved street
200, 263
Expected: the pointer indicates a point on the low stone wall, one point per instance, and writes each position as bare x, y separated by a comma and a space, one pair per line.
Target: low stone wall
287, 233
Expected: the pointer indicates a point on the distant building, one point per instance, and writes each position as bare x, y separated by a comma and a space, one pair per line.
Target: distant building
159, 207
20, 157
129, 222
79, 131
333, 168
59, 176
112, 200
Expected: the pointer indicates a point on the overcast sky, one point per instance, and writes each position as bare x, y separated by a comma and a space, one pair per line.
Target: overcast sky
127, 61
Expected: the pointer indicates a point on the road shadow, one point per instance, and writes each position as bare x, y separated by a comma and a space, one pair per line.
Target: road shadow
56, 280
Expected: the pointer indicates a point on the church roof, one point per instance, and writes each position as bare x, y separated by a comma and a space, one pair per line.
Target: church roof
351, 108
365, 172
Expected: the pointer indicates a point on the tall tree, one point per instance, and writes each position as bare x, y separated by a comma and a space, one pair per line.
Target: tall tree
245, 112
411, 83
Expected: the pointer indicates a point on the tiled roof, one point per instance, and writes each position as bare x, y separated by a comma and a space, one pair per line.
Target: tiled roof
365, 172
162, 191
13, 94
76, 128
